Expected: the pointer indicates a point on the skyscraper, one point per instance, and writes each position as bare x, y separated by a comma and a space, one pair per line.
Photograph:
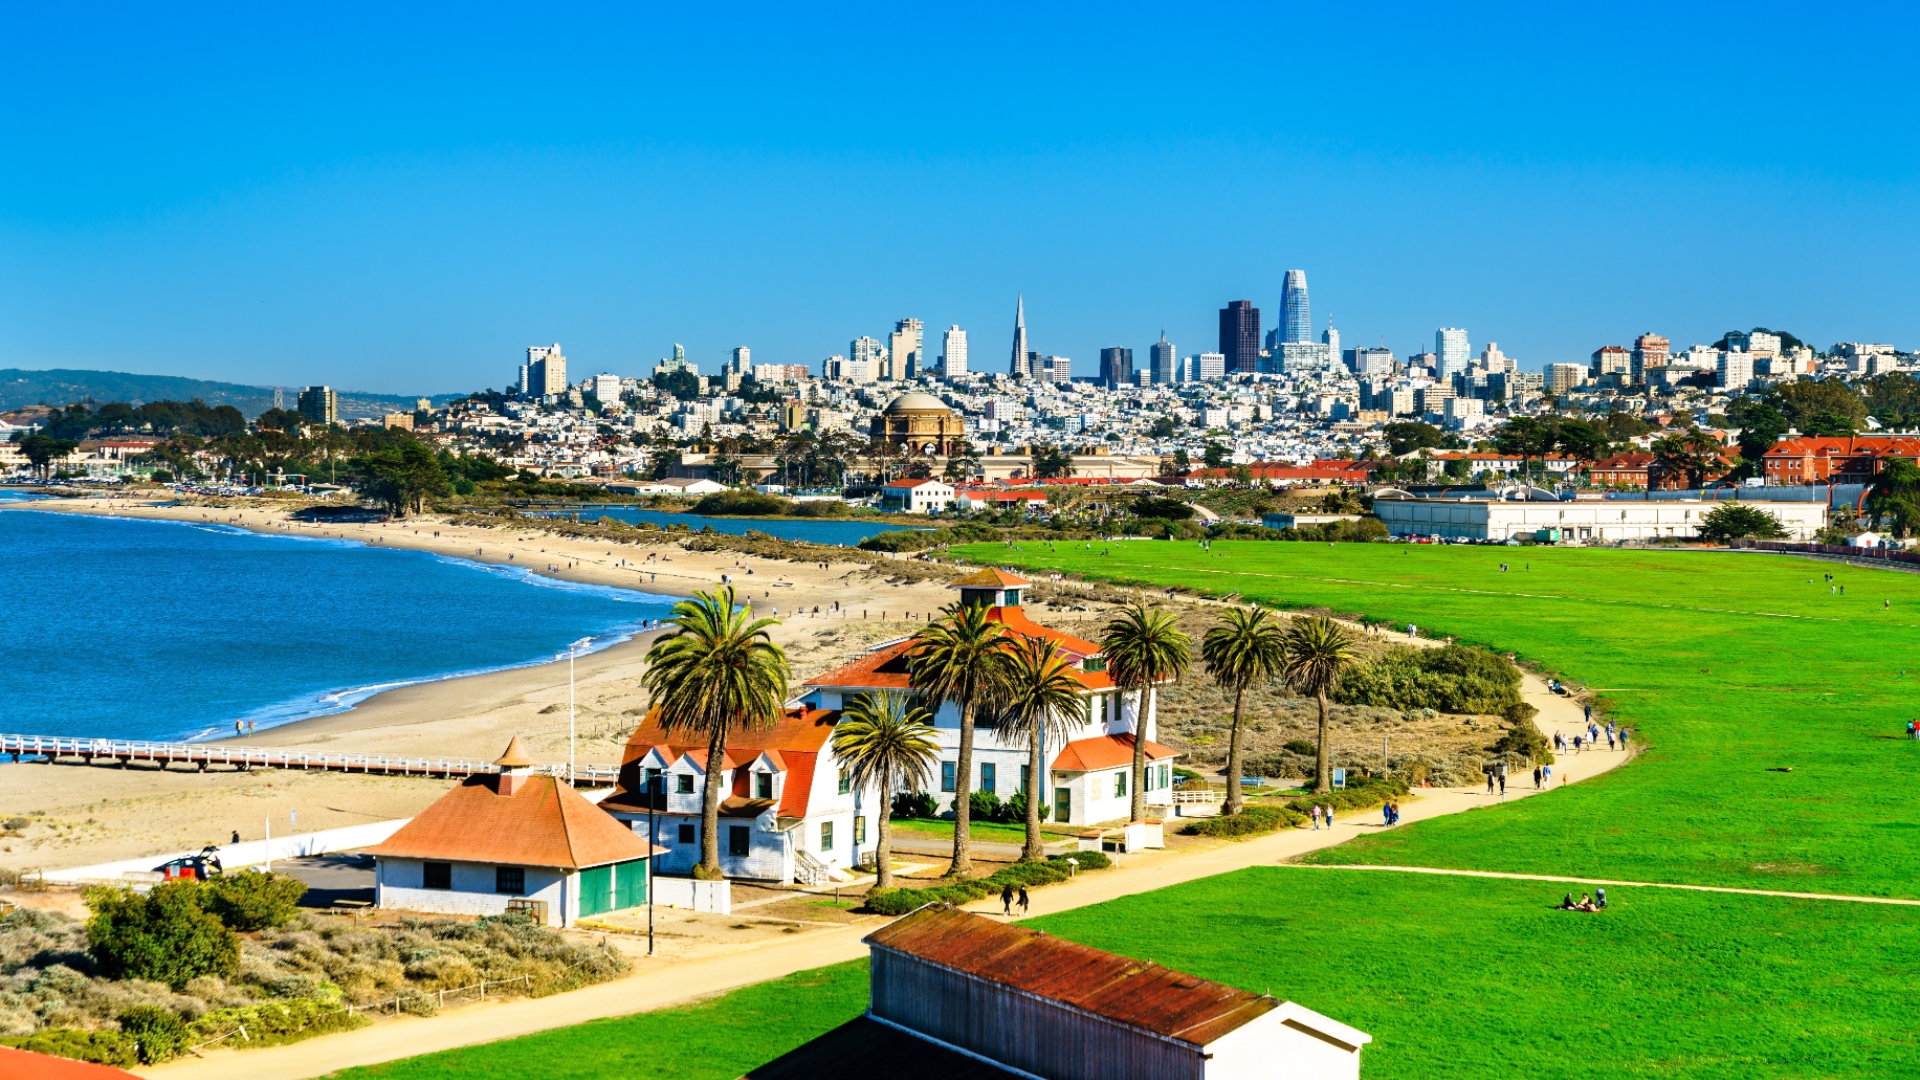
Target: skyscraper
1450, 345
1240, 336
953, 353
546, 370
319, 404
904, 348
1116, 367
868, 351
741, 363
1331, 338
1163, 366
1019, 368
1296, 319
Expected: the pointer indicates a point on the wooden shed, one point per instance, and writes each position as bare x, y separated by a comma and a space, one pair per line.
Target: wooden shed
999, 1000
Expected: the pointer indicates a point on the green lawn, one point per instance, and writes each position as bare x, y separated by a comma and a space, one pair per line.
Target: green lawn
1475, 977
1453, 977
1727, 665
719, 1039
984, 831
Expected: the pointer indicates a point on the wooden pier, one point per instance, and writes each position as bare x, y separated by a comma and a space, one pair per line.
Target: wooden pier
121, 752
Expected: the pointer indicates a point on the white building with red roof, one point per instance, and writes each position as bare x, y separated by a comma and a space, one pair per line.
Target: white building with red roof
789, 811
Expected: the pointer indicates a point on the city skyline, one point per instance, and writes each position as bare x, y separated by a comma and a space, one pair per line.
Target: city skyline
237, 199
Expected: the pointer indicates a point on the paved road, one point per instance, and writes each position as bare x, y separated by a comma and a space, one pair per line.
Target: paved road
331, 878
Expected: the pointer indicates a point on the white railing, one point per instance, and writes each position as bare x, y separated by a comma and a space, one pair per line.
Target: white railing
1199, 796
52, 747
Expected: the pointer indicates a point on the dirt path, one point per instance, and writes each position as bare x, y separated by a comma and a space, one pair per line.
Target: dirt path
659, 985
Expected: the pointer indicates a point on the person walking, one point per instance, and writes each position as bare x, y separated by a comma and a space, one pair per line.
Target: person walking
1536, 778
1503, 784
1386, 813
1023, 899
1316, 806
1489, 781
1006, 899
1589, 708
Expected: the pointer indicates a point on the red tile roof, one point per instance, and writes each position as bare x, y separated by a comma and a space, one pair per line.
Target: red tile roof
543, 823
991, 578
1134, 993
886, 668
796, 741
1106, 752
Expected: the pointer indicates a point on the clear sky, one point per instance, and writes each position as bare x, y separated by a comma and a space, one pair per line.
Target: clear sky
403, 197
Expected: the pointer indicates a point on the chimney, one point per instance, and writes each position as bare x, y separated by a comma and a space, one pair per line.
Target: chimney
515, 767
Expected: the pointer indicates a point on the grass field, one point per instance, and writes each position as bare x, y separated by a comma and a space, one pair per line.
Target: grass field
1727, 665
719, 1039
991, 832
1453, 977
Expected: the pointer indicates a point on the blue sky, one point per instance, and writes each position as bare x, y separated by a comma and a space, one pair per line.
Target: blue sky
403, 200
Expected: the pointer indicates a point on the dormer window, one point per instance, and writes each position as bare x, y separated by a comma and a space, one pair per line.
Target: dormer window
763, 785
1094, 663
683, 783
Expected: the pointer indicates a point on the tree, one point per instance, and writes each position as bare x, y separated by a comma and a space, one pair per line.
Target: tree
1318, 653
1761, 424
1041, 703
1893, 398
1582, 439
1215, 455
165, 936
403, 475
1622, 426
1526, 438
1248, 646
251, 900
1737, 521
1144, 648
1406, 436
961, 658
1802, 400
1050, 462
715, 671
1690, 455
1895, 495
1163, 428
42, 450
887, 742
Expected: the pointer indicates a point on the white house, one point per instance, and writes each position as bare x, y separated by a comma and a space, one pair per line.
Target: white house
671, 486
916, 496
516, 841
971, 499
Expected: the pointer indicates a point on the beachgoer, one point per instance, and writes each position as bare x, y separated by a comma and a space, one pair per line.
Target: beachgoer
239, 727
1566, 902
236, 836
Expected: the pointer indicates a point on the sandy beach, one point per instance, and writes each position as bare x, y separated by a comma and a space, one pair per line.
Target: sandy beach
77, 815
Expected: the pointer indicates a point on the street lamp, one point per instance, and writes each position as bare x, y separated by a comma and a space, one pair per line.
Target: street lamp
573, 650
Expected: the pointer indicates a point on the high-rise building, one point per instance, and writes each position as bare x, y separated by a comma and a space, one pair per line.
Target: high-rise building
1564, 377
1240, 336
1296, 318
1650, 350
546, 370
1019, 368
1208, 365
1304, 357
740, 362
1736, 369
868, 351
1329, 337
1369, 361
606, 387
1450, 345
1055, 369
953, 353
904, 349
1492, 359
319, 404
1163, 364
1116, 367
1610, 360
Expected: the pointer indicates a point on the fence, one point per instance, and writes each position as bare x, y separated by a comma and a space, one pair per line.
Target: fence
1883, 554
121, 751
440, 996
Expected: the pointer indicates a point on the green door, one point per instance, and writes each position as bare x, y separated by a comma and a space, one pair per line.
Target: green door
630, 884
596, 890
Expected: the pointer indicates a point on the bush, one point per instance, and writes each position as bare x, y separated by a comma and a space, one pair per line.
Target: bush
251, 900
162, 476
1454, 679
1019, 875
1524, 740
160, 1033
1367, 793
1305, 747
1155, 506
165, 936
277, 1022
1738, 521
986, 806
1014, 810
742, 504
1251, 821
102, 1047
914, 804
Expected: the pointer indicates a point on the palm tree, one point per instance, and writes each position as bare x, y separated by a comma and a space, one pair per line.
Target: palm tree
887, 742
716, 670
960, 658
1248, 646
1144, 648
1318, 653
1040, 702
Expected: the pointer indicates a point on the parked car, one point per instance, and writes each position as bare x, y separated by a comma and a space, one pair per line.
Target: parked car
191, 868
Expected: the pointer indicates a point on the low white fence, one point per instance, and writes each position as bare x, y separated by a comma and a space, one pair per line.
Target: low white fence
715, 897
245, 853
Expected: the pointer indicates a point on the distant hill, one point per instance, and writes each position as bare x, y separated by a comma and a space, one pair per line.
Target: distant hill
64, 386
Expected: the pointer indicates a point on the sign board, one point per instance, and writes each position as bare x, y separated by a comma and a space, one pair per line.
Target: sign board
1340, 778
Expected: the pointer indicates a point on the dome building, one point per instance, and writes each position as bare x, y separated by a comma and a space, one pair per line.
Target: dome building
920, 423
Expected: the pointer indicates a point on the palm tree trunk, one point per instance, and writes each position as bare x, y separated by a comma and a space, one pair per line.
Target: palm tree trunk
709, 868
1034, 851
1140, 755
1321, 785
1233, 753
962, 788
883, 849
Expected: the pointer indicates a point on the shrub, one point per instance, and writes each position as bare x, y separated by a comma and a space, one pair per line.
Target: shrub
103, 1047
251, 900
986, 806
1019, 875
1367, 793
1305, 747
1251, 821
1524, 740
1454, 679
914, 804
1014, 810
160, 1033
1155, 506
742, 504
165, 936
277, 1022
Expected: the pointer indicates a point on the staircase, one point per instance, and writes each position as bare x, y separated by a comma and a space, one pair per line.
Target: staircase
808, 870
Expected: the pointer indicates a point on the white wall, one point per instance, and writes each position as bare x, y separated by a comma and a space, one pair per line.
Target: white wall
247, 853
397, 886
683, 892
1605, 521
1269, 1048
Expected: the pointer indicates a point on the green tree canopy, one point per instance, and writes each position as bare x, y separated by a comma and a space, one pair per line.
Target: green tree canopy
1406, 436
1738, 521
1808, 403
165, 936
1895, 496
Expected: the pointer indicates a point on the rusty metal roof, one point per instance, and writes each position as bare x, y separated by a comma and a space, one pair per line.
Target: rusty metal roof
1137, 993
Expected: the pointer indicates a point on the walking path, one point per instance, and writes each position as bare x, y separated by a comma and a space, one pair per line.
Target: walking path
658, 985
1630, 884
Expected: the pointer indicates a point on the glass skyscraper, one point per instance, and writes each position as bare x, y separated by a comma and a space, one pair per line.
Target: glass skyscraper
1240, 336
1296, 319
1453, 352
